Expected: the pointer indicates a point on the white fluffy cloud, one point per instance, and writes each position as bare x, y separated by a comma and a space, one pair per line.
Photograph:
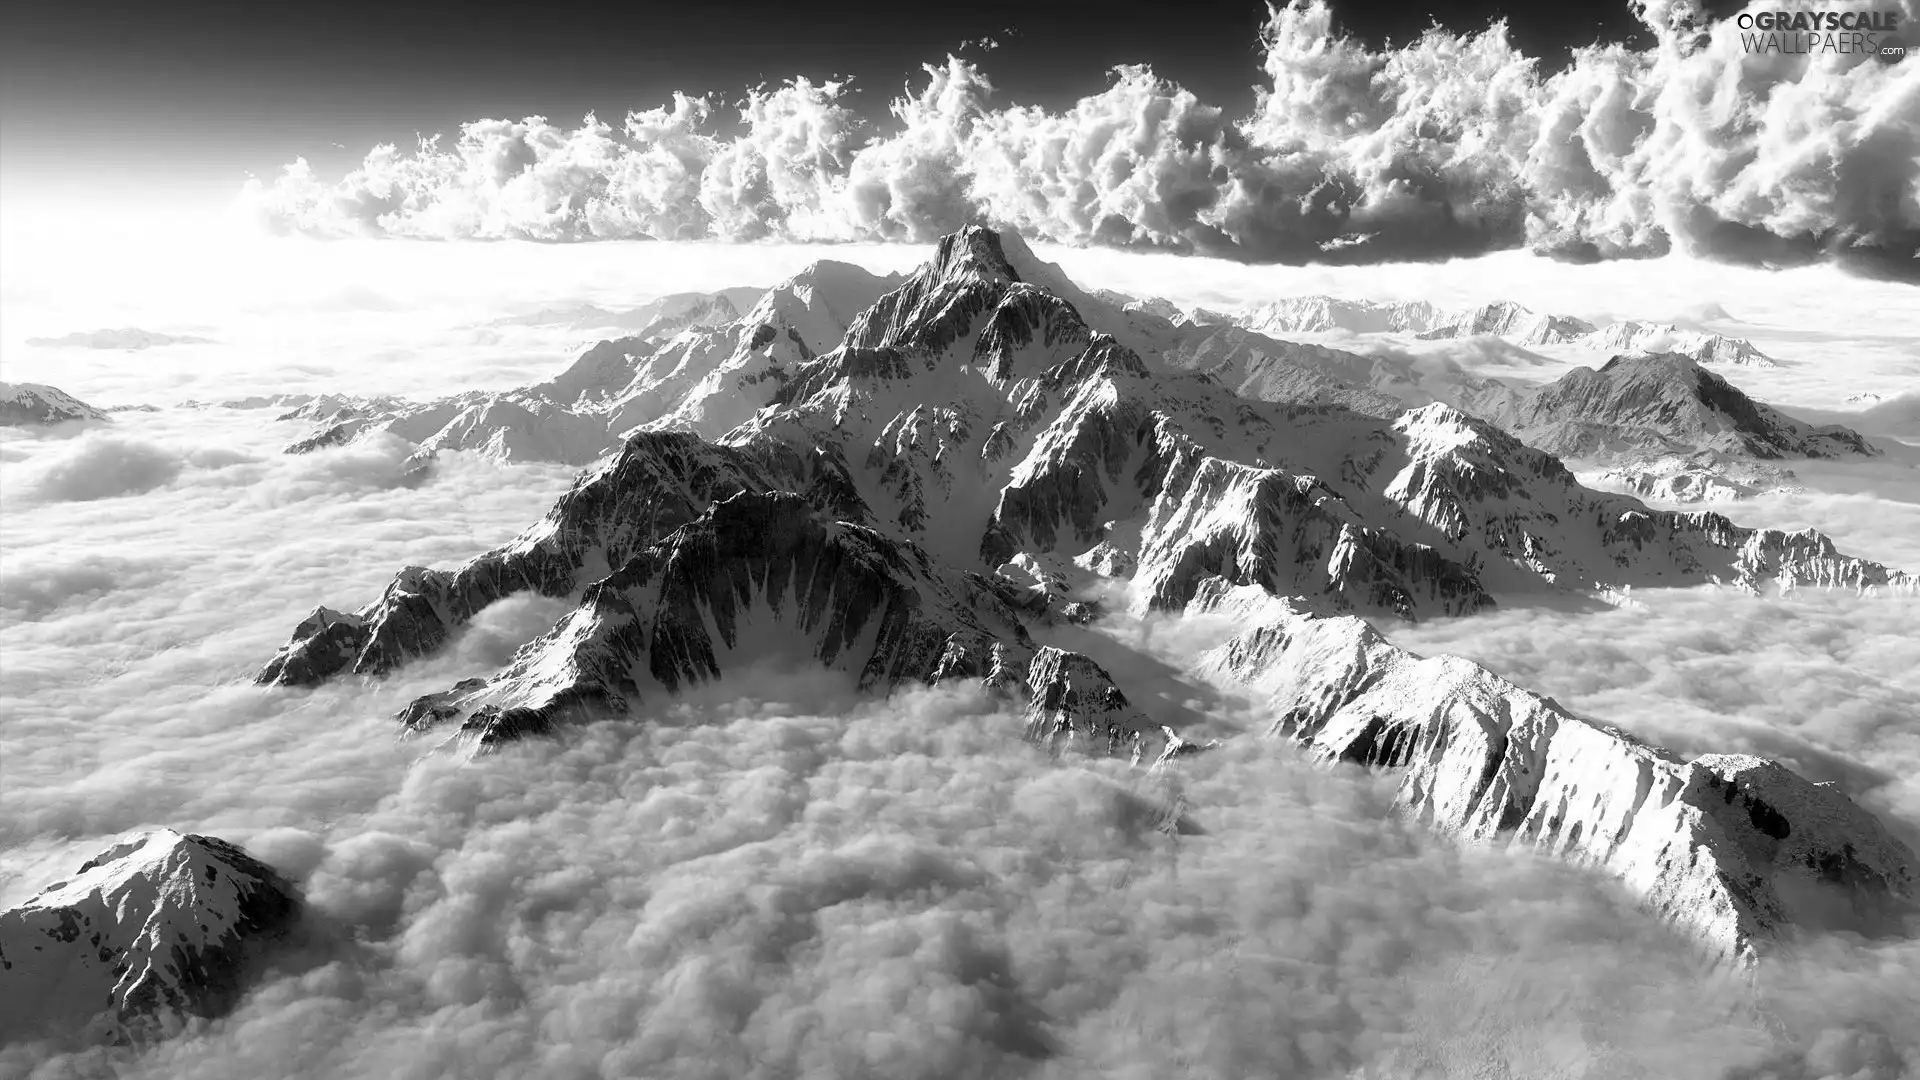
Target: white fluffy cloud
823, 886
1450, 145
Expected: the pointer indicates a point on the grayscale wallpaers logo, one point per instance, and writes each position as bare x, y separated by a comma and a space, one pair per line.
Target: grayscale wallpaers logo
1806, 32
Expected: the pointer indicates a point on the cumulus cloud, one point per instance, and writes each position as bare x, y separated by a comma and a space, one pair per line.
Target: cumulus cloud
98, 466
1450, 145
825, 886
32, 591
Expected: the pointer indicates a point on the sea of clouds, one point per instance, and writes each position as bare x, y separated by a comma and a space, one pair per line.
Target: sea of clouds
1450, 145
775, 877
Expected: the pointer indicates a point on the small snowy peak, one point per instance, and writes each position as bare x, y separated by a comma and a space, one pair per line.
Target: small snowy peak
1632, 335
820, 302
689, 311
603, 369
1509, 321
36, 404
126, 338
328, 409
509, 429
156, 930
1323, 314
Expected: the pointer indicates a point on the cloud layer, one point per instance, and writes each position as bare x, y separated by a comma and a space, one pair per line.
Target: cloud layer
1451, 145
816, 885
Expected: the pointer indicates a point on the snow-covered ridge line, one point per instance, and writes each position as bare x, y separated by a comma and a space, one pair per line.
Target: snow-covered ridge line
156, 930
1503, 319
34, 404
1737, 851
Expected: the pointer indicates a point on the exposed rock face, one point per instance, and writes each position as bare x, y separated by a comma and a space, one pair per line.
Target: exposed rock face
1736, 850
151, 932
657, 484
756, 576
34, 404
1074, 704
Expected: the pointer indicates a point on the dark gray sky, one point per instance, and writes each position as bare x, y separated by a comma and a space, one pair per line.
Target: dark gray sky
181, 100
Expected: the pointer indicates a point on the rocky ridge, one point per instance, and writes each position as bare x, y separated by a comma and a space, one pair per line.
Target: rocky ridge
1738, 851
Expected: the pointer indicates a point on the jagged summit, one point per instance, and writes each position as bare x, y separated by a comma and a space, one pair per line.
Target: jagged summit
153, 931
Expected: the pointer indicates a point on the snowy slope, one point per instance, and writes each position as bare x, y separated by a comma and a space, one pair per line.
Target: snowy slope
154, 930
33, 404
1737, 851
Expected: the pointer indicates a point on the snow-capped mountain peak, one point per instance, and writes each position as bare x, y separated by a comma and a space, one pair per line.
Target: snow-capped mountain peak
156, 929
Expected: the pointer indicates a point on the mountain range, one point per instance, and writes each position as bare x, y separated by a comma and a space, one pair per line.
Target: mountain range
930, 479
698, 365
928, 498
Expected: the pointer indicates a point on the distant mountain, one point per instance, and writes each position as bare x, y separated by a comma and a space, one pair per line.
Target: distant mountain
127, 337
1512, 322
1665, 402
1690, 453
1668, 427
35, 404
705, 369
1502, 319
153, 931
